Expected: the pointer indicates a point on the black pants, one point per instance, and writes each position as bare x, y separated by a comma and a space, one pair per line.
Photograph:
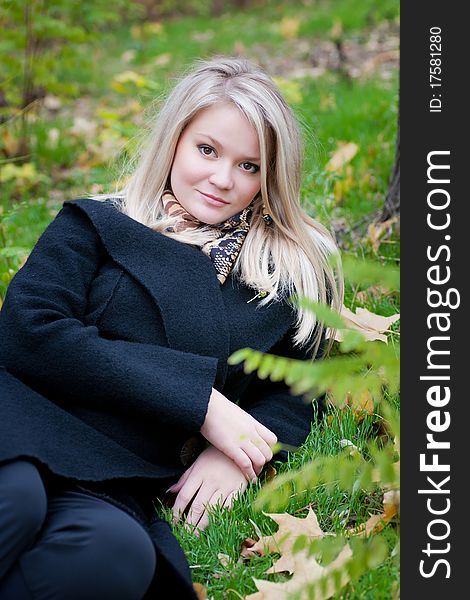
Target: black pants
67, 546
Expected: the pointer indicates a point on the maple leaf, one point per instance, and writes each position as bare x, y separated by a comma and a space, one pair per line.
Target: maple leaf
307, 573
283, 540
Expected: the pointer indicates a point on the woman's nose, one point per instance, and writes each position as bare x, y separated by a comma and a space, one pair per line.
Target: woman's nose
222, 177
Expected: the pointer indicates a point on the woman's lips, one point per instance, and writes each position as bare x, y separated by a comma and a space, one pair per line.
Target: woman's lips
213, 200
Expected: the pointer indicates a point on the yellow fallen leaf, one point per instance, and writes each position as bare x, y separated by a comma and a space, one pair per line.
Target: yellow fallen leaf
344, 154
337, 30
10, 144
291, 89
375, 232
289, 27
153, 28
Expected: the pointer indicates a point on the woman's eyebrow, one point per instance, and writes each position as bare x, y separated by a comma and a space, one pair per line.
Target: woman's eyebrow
216, 143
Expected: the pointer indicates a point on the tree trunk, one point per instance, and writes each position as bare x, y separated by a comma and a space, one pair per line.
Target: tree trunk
392, 201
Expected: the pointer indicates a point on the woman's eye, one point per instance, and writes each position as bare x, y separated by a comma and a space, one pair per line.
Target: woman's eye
205, 150
250, 167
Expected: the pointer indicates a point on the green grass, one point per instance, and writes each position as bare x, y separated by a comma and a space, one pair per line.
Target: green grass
334, 508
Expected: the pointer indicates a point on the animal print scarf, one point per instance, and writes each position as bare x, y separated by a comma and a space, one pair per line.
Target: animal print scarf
231, 234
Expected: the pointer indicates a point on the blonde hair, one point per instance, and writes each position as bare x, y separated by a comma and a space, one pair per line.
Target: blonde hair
291, 256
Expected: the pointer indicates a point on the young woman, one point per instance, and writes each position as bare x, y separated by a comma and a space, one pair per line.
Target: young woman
115, 337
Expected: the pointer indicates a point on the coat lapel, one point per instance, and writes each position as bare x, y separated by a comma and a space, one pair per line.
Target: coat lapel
179, 277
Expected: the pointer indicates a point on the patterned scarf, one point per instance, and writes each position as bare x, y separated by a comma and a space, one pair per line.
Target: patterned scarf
231, 234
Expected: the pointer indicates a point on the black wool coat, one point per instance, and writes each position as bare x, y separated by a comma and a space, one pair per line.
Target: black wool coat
111, 338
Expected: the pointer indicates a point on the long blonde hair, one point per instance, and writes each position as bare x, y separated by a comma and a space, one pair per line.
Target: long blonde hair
291, 256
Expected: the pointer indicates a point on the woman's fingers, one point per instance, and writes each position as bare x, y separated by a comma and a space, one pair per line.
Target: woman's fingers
175, 488
244, 463
230, 499
264, 448
200, 517
199, 504
185, 495
268, 436
257, 458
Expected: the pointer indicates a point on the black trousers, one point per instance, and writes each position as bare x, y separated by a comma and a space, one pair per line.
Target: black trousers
69, 545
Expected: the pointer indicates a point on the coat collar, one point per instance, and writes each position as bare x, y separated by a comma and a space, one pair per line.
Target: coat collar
183, 283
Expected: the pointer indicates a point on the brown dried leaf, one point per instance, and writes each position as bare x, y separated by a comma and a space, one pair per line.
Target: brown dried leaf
376, 523
11, 144
375, 232
247, 548
371, 325
269, 472
307, 571
290, 528
344, 154
200, 591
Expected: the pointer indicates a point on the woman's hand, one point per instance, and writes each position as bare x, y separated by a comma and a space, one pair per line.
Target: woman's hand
212, 478
238, 435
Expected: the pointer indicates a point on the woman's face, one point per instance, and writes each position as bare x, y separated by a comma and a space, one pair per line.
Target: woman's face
215, 172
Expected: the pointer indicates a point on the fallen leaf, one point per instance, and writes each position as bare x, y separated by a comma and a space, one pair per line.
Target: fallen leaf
372, 63
162, 59
337, 30
52, 103
239, 48
344, 184
307, 572
289, 28
200, 591
344, 154
363, 403
128, 56
224, 559
353, 449
11, 144
375, 232
202, 36
291, 89
371, 325
391, 505
83, 128
269, 472
290, 529
374, 292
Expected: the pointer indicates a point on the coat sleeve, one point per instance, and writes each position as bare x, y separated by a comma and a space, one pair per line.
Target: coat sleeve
272, 404
46, 344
